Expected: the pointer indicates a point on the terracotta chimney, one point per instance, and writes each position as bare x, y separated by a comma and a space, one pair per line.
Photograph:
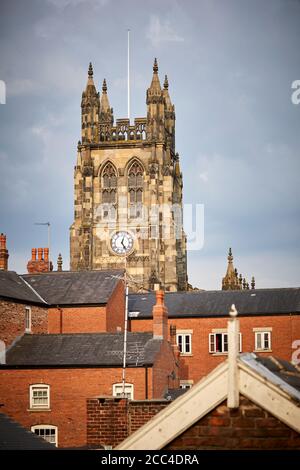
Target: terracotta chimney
3, 253
40, 253
160, 317
39, 265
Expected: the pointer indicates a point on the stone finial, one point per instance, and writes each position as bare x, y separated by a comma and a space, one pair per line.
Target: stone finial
230, 257
253, 282
104, 86
240, 280
233, 311
166, 83
244, 283
59, 262
90, 72
155, 66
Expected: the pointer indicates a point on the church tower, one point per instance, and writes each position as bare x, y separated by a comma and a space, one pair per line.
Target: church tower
128, 191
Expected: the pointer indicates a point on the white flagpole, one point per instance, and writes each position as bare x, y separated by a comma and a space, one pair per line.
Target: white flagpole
128, 72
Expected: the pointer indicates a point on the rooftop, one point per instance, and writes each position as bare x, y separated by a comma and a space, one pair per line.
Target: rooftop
60, 288
218, 303
83, 349
14, 437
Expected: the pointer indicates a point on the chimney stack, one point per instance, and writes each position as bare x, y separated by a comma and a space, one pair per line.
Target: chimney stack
160, 317
3, 253
41, 264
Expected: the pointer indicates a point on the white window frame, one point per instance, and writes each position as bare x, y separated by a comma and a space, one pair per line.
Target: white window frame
184, 335
28, 319
212, 342
186, 384
45, 427
39, 406
118, 390
262, 334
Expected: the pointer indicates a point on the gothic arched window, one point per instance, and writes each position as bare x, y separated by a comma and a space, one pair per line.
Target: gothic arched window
109, 187
135, 188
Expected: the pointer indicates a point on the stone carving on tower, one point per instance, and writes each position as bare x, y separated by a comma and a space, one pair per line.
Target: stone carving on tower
128, 191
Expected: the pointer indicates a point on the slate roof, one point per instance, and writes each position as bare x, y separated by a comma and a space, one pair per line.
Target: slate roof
14, 437
218, 303
280, 372
12, 286
75, 288
83, 349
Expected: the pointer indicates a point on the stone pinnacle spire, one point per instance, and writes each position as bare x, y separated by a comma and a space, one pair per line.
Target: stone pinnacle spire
106, 112
166, 83
231, 280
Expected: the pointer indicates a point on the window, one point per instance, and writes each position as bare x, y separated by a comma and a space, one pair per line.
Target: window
184, 342
218, 343
186, 384
109, 187
47, 432
27, 319
118, 390
263, 340
135, 189
39, 396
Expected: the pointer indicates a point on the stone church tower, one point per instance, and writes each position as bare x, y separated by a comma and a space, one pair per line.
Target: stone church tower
128, 191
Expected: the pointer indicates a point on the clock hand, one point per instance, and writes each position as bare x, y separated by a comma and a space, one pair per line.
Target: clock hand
122, 243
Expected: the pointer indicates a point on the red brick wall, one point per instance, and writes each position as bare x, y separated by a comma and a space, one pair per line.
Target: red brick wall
111, 420
115, 309
164, 366
69, 390
77, 319
12, 320
285, 330
248, 427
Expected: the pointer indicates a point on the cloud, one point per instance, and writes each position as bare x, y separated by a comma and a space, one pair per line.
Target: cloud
61, 4
161, 31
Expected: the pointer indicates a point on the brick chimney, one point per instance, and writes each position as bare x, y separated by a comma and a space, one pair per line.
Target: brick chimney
160, 317
42, 263
174, 345
3, 253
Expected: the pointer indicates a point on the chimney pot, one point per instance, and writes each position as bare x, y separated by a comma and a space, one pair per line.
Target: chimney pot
3, 253
40, 253
46, 254
33, 254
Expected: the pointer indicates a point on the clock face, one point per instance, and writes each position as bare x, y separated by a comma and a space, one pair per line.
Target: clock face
122, 243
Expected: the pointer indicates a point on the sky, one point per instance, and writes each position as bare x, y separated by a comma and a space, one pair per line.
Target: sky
231, 65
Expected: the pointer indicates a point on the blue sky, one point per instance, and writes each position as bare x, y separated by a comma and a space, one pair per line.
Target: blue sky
230, 65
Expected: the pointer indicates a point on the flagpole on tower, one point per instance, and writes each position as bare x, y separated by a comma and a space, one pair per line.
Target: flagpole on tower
128, 73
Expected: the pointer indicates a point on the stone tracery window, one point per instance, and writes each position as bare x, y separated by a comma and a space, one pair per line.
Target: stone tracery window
109, 184
135, 189
109, 191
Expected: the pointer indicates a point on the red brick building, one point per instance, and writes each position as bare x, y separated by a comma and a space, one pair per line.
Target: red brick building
269, 324
50, 373
22, 310
81, 302
60, 302
247, 402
